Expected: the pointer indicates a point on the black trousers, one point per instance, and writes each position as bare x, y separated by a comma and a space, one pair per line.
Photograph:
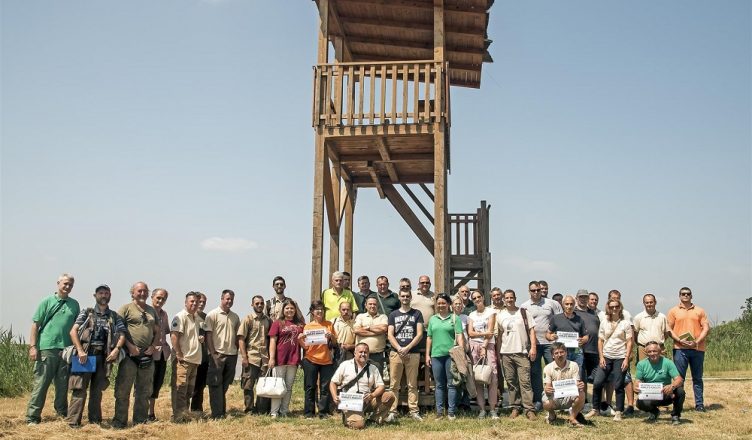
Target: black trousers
311, 374
197, 400
677, 400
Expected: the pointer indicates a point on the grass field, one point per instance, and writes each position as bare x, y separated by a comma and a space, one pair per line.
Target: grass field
728, 400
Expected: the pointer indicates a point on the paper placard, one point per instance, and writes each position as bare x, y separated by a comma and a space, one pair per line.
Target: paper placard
569, 339
650, 391
315, 337
565, 388
350, 402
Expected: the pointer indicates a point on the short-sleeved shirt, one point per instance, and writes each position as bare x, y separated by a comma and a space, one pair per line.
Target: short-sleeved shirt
254, 329
614, 336
56, 333
288, 347
542, 311
425, 304
368, 382
386, 304
482, 323
164, 326
553, 372
602, 315
592, 324
224, 330
650, 327
407, 324
443, 333
376, 344
663, 371
140, 323
319, 354
684, 320
561, 323
345, 331
332, 301
103, 323
511, 330
186, 326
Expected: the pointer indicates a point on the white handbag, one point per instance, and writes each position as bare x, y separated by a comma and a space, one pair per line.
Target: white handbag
482, 372
270, 386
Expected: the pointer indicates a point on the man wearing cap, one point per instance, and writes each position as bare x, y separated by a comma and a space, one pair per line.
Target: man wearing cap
187, 355
689, 326
649, 325
136, 371
102, 338
591, 323
50, 333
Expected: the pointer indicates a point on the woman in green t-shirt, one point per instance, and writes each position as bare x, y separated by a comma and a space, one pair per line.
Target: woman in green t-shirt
444, 331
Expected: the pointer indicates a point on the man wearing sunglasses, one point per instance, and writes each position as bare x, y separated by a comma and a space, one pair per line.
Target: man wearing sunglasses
689, 327
136, 371
542, 310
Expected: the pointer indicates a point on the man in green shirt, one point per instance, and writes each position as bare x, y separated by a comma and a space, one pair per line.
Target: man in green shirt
50, 333
658, 369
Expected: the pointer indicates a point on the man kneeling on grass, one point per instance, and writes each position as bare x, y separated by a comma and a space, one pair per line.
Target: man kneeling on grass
554, 374
656, 369
361, 380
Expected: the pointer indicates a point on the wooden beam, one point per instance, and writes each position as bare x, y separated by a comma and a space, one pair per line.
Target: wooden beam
464, 280
441, 235
409, 216
352, 193
369, 182
417, 202
410, 25
419, 5
334, 14
379, 130
393, 157
385, 157
323, 45
334, 235
375, 179
331, 211
439, 42
412, 44
427, 191
318, 217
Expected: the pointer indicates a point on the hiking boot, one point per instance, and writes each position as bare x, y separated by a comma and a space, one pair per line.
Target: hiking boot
416, 416
700, 408
451, 417
617, 416
652, 417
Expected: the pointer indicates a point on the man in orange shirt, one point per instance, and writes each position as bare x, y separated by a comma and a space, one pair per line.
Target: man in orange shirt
688, 328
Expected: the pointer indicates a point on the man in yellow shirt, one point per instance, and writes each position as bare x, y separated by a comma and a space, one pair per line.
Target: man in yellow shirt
335, 295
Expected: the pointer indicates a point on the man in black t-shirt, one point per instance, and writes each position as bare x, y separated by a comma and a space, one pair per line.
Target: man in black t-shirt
405, 332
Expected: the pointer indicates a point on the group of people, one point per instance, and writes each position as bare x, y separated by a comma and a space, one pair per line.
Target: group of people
360, 347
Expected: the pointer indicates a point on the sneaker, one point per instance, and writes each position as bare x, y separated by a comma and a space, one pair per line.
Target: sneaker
652, 418
617, 416
538, 406
416, 416
629, 411
515, 413
494, 415
274, 416
391, 418
608, 411
531, 415
590, 414
675, 420
700, 409
451, 417
482, 414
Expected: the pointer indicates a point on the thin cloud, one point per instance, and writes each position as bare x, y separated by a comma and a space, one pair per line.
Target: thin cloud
228, 244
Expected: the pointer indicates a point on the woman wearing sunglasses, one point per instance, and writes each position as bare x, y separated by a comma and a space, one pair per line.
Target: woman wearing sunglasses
480, 327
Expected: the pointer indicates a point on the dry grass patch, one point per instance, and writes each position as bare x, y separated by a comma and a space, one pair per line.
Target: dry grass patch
729, 403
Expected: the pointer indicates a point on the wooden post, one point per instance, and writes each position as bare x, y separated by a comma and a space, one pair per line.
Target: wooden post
334, 235
441, 234
317, 257
323, 46
352, 193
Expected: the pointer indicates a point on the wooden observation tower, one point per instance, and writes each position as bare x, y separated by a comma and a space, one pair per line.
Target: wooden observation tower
382, 115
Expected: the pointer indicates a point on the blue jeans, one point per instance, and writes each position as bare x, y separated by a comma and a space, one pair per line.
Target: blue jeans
536, 370
693, 359
443, 377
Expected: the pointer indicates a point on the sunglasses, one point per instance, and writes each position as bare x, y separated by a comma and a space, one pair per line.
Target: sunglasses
425, 282
144, 319
685, 293
535, 290
404, 287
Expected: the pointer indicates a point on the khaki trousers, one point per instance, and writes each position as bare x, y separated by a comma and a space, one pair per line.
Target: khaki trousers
408, 365
182, 383
378, 409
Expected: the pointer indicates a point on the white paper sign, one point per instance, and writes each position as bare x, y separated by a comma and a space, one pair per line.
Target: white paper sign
315, 337
569, 339
565, 388
350, 402
650, 391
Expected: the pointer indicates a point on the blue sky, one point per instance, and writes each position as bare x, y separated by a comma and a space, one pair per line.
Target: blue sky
171, 141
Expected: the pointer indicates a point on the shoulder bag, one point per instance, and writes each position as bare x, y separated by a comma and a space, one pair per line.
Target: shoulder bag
270, 386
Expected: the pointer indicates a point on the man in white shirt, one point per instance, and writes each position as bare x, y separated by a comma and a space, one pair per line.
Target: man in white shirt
650, 325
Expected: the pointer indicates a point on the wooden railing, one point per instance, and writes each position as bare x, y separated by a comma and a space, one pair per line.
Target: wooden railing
469, 232
378, 93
